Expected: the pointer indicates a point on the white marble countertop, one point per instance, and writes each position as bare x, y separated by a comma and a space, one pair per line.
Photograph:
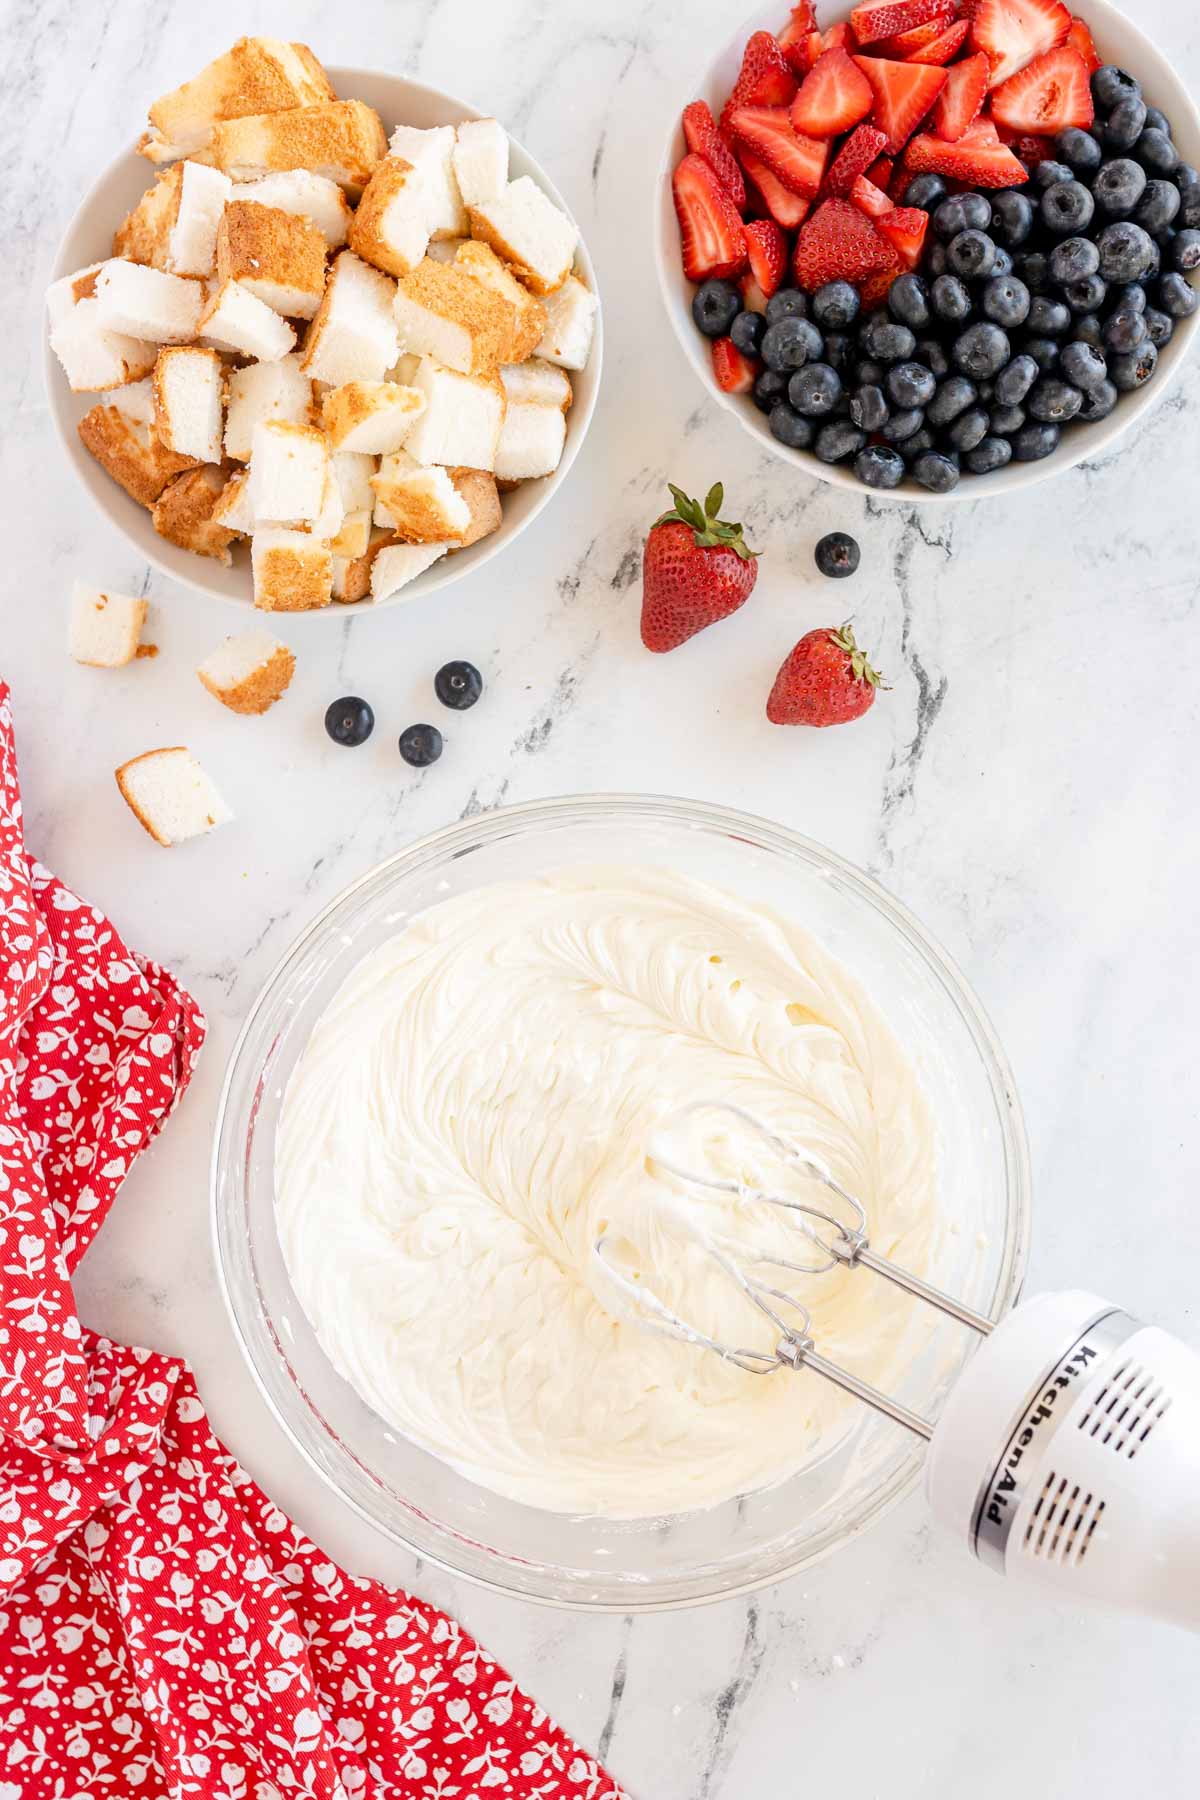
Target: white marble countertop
1028, 786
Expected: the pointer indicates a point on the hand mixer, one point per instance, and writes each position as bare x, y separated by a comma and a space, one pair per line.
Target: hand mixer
1068, 1451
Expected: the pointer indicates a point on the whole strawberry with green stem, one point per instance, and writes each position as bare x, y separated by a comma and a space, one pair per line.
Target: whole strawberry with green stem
696, 568
827, 680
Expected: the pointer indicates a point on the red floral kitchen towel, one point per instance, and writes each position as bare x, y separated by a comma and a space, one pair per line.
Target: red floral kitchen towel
164, 1629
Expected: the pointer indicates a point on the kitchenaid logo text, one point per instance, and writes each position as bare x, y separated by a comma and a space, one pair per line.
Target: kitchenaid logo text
1040, 1412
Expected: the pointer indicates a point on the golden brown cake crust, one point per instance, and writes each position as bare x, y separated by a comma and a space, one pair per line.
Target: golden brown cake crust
136, 460
183, 513
256, 242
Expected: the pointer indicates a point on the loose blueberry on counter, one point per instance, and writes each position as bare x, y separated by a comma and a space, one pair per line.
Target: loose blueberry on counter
879, 467
1005, 299
715, 305
908, 301
1012, 216
787, 303
1133, 369
747, 332
1124, 124
421, 745
769, 389
1184, 253
935, 472
1067, 207
1176, 296
458, 685
1111, 85
1118, 186
950, 299
953, 397
869, 408
815, 390
835, 306
1079, 149
349, 721
837, 440
925, 191
837, 555
1015, 380
789, 343
1084, 366
1033, 442
981, 350
970, 254
1098, 403
789, 426
993, 453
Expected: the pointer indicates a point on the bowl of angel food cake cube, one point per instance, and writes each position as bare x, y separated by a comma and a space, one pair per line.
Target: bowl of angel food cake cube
324, 337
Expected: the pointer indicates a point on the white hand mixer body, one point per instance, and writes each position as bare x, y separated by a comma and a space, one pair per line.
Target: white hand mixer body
1067, 1454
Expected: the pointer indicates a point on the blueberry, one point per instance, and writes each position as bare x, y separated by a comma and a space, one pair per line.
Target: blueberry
1011, 217
835, 306
869, 373
1111, 85
981, 350
970, 428
1159, 326
1126, 251
950, 299
1184, 253
1004, 420
1157, 121
986, 391
1073, 259
1155, 151
933, 355
1176, 296
934, 259
715, 306
925, 191
838, 440
349, 721
1083, 366
837, 555
1033, 266
787, 303
458, 685
949, 218
1184, 176
993, 453
789, 343
1015, 380
1128, 294
1048, 173
421, 745
1079, 150
1130, 371
1124, 330
746, 331
1118, 187
789, 426
1002, 262
815, 390
1088, 330
869, 408
837, 350
884, 339
910, 384
1188, 216
901, 425
970, 254
1097, 404
1041, 350
935, 472
1006, 300
1033, 442
1067, 207
908, 301
916, 445
954, 396
1124, 124
1053, 401
770, 387
1086, 296
879, 467
1157, 207
1048, 318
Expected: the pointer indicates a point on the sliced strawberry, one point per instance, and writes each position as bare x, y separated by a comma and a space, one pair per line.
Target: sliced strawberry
961, 98
779, 203
978, 158
710, 229
793, 39
1050, 93
834, 95
765, 78
766, 247
733, 372
854, 158
753, 298
701, 136
803, 56
904, 46
869, 199
1012, 32
838, 37
1080, 40
904, 229
838, 243
1034, 150
873, 290
904, 93
898, 185
766, 131
945, 47
880, 171
887, 18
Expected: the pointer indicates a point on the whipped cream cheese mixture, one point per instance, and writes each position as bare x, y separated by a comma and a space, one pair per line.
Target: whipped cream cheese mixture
475, 1108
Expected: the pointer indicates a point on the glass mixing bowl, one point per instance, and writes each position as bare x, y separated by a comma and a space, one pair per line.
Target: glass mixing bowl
575, 1560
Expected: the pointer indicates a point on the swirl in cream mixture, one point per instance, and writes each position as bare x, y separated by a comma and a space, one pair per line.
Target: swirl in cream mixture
473, 1110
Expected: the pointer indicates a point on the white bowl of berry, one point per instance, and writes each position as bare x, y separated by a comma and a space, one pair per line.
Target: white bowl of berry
941, 248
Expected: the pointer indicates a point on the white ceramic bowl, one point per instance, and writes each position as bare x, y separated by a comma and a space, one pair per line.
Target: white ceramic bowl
88, 238
575, 1560
1118, 40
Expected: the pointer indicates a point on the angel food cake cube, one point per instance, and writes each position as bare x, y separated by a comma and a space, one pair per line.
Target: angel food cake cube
431, 153
529, 233
462, 419
274, 255
353, 336
289, 465
262, 391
